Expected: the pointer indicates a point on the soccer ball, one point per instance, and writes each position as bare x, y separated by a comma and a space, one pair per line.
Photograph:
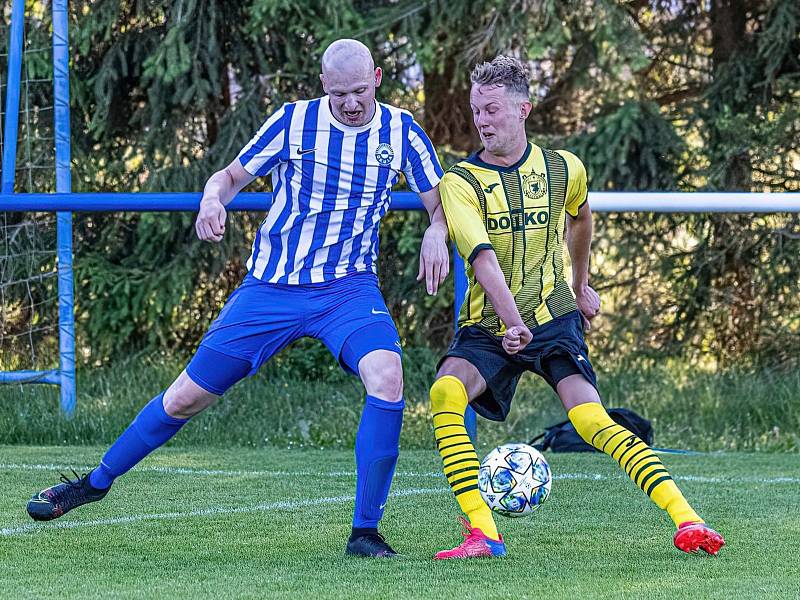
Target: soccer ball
514, 480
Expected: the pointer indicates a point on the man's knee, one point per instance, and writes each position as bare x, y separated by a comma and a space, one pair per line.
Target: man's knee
576, 390
446, 390
382, 374
184, 398
465, 373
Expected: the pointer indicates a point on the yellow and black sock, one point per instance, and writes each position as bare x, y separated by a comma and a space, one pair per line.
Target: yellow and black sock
635, 457
448, 403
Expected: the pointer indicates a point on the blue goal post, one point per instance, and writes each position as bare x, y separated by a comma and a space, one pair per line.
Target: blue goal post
64, 376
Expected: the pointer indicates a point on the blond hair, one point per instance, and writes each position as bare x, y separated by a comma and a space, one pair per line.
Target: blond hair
505, 71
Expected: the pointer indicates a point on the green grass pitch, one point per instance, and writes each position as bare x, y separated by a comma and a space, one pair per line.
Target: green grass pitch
272, 524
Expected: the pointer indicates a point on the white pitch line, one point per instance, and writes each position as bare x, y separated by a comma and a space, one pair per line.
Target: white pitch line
694, 478
204, 512
67, 469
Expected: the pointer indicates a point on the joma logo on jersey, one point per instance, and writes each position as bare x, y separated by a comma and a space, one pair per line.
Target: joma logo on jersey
518, 220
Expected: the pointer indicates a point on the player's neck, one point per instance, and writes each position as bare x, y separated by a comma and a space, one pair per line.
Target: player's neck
507, 158
372, 112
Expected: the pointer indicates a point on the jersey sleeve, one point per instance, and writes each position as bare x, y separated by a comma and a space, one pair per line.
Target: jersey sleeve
422, 169
577, 192
268, 147
464, 216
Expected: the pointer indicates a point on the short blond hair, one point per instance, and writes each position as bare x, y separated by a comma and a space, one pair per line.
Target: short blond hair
505, 71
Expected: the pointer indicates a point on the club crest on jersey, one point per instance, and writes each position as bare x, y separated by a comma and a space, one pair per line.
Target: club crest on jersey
534, 186
384, 153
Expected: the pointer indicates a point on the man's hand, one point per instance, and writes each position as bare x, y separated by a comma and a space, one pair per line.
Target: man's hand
434, 258
210, 223
219, 190
588, 302
516, 338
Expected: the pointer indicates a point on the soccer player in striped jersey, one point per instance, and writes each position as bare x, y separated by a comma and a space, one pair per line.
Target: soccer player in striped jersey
312, 273
507, 208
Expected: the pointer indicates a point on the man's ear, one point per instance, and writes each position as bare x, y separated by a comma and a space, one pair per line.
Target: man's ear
525, 109
378, 77
323, 79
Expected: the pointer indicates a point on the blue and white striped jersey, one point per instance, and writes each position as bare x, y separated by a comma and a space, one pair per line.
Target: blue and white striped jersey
331, 186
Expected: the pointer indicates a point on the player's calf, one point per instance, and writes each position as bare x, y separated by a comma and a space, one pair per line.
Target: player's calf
61, 498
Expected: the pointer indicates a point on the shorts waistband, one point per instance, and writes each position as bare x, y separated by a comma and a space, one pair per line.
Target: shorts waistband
250, 279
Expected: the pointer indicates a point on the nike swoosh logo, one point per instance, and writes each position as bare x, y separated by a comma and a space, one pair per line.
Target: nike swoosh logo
383, 506
379, 312
489, 189
301, 151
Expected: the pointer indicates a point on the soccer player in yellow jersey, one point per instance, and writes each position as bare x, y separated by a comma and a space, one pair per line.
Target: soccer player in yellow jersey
510, 208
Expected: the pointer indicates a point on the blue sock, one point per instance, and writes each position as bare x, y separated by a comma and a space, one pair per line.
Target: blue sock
377, 449
151, 428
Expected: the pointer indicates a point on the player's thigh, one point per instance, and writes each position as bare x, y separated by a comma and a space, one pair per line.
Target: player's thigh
351, 319
498, 371
258, 320
564, 361
215, 371
466, 373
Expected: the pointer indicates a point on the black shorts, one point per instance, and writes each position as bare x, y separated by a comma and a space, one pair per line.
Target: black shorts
556, 351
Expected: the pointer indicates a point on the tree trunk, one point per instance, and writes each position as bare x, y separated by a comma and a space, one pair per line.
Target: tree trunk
734, 314
448, 117
728, 28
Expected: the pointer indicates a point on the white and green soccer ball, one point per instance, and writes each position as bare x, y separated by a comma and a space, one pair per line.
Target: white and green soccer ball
514, 480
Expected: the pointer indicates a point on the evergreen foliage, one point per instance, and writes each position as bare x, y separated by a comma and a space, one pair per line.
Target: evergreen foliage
651, 95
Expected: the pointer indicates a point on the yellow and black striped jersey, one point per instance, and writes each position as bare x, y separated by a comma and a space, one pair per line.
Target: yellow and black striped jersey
520, 212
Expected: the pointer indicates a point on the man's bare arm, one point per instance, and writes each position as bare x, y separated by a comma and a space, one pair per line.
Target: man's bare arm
226, 183
434, 257
491, 278
219, 190
433, 204
579, 244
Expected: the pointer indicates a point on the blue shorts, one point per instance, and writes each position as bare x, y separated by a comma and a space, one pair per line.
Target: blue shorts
259, 319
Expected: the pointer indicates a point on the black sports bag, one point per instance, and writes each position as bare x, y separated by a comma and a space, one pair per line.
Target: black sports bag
562, 437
